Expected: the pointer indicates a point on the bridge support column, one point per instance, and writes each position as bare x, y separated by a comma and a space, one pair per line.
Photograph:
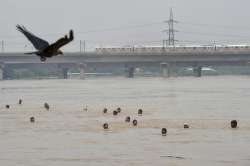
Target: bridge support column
130, 72
65, 73
165, 69
1, 71
82, 67
197, 71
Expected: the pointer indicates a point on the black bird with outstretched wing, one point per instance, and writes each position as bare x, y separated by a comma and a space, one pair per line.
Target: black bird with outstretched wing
44, 49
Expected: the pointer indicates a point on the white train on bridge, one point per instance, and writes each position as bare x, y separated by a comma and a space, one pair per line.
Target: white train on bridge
176, 49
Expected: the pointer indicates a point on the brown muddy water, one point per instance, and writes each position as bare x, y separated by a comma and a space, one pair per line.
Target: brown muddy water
69, 135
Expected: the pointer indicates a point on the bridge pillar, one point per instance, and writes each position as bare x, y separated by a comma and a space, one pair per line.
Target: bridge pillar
82, 67
130, 72
197, 71
165, 69
1, 71
63, 71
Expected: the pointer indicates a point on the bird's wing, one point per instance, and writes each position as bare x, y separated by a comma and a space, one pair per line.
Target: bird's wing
63, 41
38, 43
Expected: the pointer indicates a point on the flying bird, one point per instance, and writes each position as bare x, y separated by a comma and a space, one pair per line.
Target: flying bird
44, 49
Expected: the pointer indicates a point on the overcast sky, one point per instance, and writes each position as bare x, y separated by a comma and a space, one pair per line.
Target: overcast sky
124, 22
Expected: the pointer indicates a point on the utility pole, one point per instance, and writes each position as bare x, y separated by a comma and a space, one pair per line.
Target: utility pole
84, 46
164, 43
215, 46
171, 31
2, 46
80, 46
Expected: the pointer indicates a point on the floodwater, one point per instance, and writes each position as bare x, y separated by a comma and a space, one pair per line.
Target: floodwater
69, 135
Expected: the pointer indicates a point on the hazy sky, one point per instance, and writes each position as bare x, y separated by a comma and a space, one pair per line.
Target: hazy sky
124, 22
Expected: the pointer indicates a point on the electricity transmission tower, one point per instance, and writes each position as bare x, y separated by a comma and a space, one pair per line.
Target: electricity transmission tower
170, 31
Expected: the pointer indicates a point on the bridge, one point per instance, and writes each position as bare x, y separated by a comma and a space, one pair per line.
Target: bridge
129, 61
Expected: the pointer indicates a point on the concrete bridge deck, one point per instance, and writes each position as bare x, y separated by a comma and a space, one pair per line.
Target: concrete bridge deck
129, 60
204, 58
